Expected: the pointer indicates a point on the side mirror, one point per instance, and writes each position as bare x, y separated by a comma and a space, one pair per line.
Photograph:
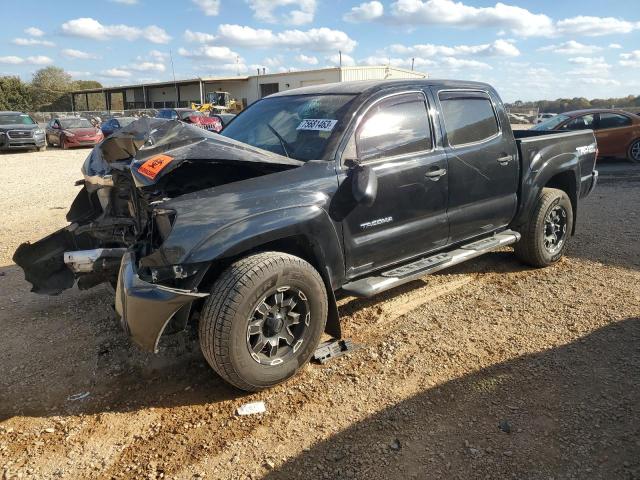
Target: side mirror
364, 183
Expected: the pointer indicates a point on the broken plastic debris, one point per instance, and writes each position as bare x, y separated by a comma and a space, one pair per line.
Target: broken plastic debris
77, 396
252, 408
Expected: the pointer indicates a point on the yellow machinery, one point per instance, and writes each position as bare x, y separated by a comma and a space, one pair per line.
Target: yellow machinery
218, 102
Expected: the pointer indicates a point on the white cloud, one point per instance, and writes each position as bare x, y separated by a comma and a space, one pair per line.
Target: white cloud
595, 26
79, 54
77, 73
90, 28
591, 67
347, 60
615, 45
33, 60
158, 56
34, 32
147, 67
126, 2
264, 11
519, 21
28, 42
115, 73
441, 63
630, 59
599, 81
365, 12
499, 48
198, 37
571, 47
309, 60
208, 52
211, 8
317, 39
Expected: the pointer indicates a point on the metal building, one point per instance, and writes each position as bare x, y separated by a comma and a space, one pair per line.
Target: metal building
243, 89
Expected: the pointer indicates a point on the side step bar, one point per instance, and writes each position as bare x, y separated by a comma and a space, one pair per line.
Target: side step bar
369, 286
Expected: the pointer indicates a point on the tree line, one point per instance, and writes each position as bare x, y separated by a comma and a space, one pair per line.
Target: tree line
578, 103
48, 91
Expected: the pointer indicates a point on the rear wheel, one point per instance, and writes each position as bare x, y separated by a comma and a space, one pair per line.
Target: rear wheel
263, 319
634, 151
544, 238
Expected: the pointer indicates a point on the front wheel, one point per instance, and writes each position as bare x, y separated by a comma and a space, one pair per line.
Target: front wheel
263, 319
544, 238
634, 151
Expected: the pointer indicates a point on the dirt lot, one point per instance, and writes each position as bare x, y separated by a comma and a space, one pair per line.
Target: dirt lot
491, 370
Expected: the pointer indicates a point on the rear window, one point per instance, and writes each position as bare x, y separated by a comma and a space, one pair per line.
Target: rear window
75, 123
468, 117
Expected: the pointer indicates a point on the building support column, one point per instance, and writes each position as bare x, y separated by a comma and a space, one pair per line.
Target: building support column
144, 96
86, 100
73, 102
201, 91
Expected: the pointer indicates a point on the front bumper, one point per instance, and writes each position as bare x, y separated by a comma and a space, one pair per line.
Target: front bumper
145, 308
76, 141
8, 143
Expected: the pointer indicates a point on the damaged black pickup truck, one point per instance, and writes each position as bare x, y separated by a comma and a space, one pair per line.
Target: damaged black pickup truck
351, 188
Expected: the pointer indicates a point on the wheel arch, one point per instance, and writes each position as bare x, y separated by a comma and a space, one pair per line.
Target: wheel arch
566, 181
315, 240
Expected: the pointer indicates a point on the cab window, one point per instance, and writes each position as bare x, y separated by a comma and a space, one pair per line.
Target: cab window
469, 117
398, 125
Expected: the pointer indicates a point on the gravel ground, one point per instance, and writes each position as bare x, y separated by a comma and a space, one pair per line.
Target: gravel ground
489, 370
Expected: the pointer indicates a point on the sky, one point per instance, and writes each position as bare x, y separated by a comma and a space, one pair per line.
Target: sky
529, 50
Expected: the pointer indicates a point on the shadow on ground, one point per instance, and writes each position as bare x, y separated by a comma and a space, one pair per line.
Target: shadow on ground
568, 412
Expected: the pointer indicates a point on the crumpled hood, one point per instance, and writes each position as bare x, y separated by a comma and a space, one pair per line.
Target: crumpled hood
173, 142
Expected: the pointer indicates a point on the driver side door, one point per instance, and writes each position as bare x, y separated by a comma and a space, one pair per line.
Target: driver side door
397, 140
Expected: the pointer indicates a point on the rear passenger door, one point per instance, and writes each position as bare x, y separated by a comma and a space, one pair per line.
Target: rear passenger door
409, 216
483, 163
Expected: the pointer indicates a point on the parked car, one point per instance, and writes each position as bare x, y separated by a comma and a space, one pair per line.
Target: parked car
356, 187
19, 131
116, 123
542, 117
617, 131
187, 115
70, 132
225, 118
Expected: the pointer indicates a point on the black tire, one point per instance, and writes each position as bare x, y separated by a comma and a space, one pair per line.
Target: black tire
237, 296
63, 144
633, 155
534, 248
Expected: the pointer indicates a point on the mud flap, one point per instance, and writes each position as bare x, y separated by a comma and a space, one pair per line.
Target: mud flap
43, 261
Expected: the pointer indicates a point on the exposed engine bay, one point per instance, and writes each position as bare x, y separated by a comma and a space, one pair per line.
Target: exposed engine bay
127, 177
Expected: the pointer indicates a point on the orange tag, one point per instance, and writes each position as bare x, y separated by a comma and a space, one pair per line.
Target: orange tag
152, 167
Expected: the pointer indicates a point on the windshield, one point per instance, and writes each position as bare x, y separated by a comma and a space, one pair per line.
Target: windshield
190, 113
16, 119
75, 123
552, 123
297, 126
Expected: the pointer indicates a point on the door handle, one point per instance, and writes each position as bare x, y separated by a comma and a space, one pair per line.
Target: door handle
435, 173
505, 160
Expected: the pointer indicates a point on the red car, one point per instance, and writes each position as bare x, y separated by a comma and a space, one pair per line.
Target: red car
199, 119
617, 132
72, 132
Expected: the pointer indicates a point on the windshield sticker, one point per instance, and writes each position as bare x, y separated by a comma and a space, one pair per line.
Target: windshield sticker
317, 124
152, 167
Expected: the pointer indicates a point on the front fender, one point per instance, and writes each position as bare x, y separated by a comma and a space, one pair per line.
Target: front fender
310, 222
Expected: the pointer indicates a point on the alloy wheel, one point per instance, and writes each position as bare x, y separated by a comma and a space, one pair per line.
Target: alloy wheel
555, 229
277, 327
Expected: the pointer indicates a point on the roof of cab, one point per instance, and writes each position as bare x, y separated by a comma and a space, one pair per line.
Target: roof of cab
371, 86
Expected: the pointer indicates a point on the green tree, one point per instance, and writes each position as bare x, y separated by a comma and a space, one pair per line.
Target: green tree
50, 87
96, 100
14, 94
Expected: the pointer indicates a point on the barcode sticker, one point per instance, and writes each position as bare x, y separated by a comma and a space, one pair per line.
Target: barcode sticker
318, 124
